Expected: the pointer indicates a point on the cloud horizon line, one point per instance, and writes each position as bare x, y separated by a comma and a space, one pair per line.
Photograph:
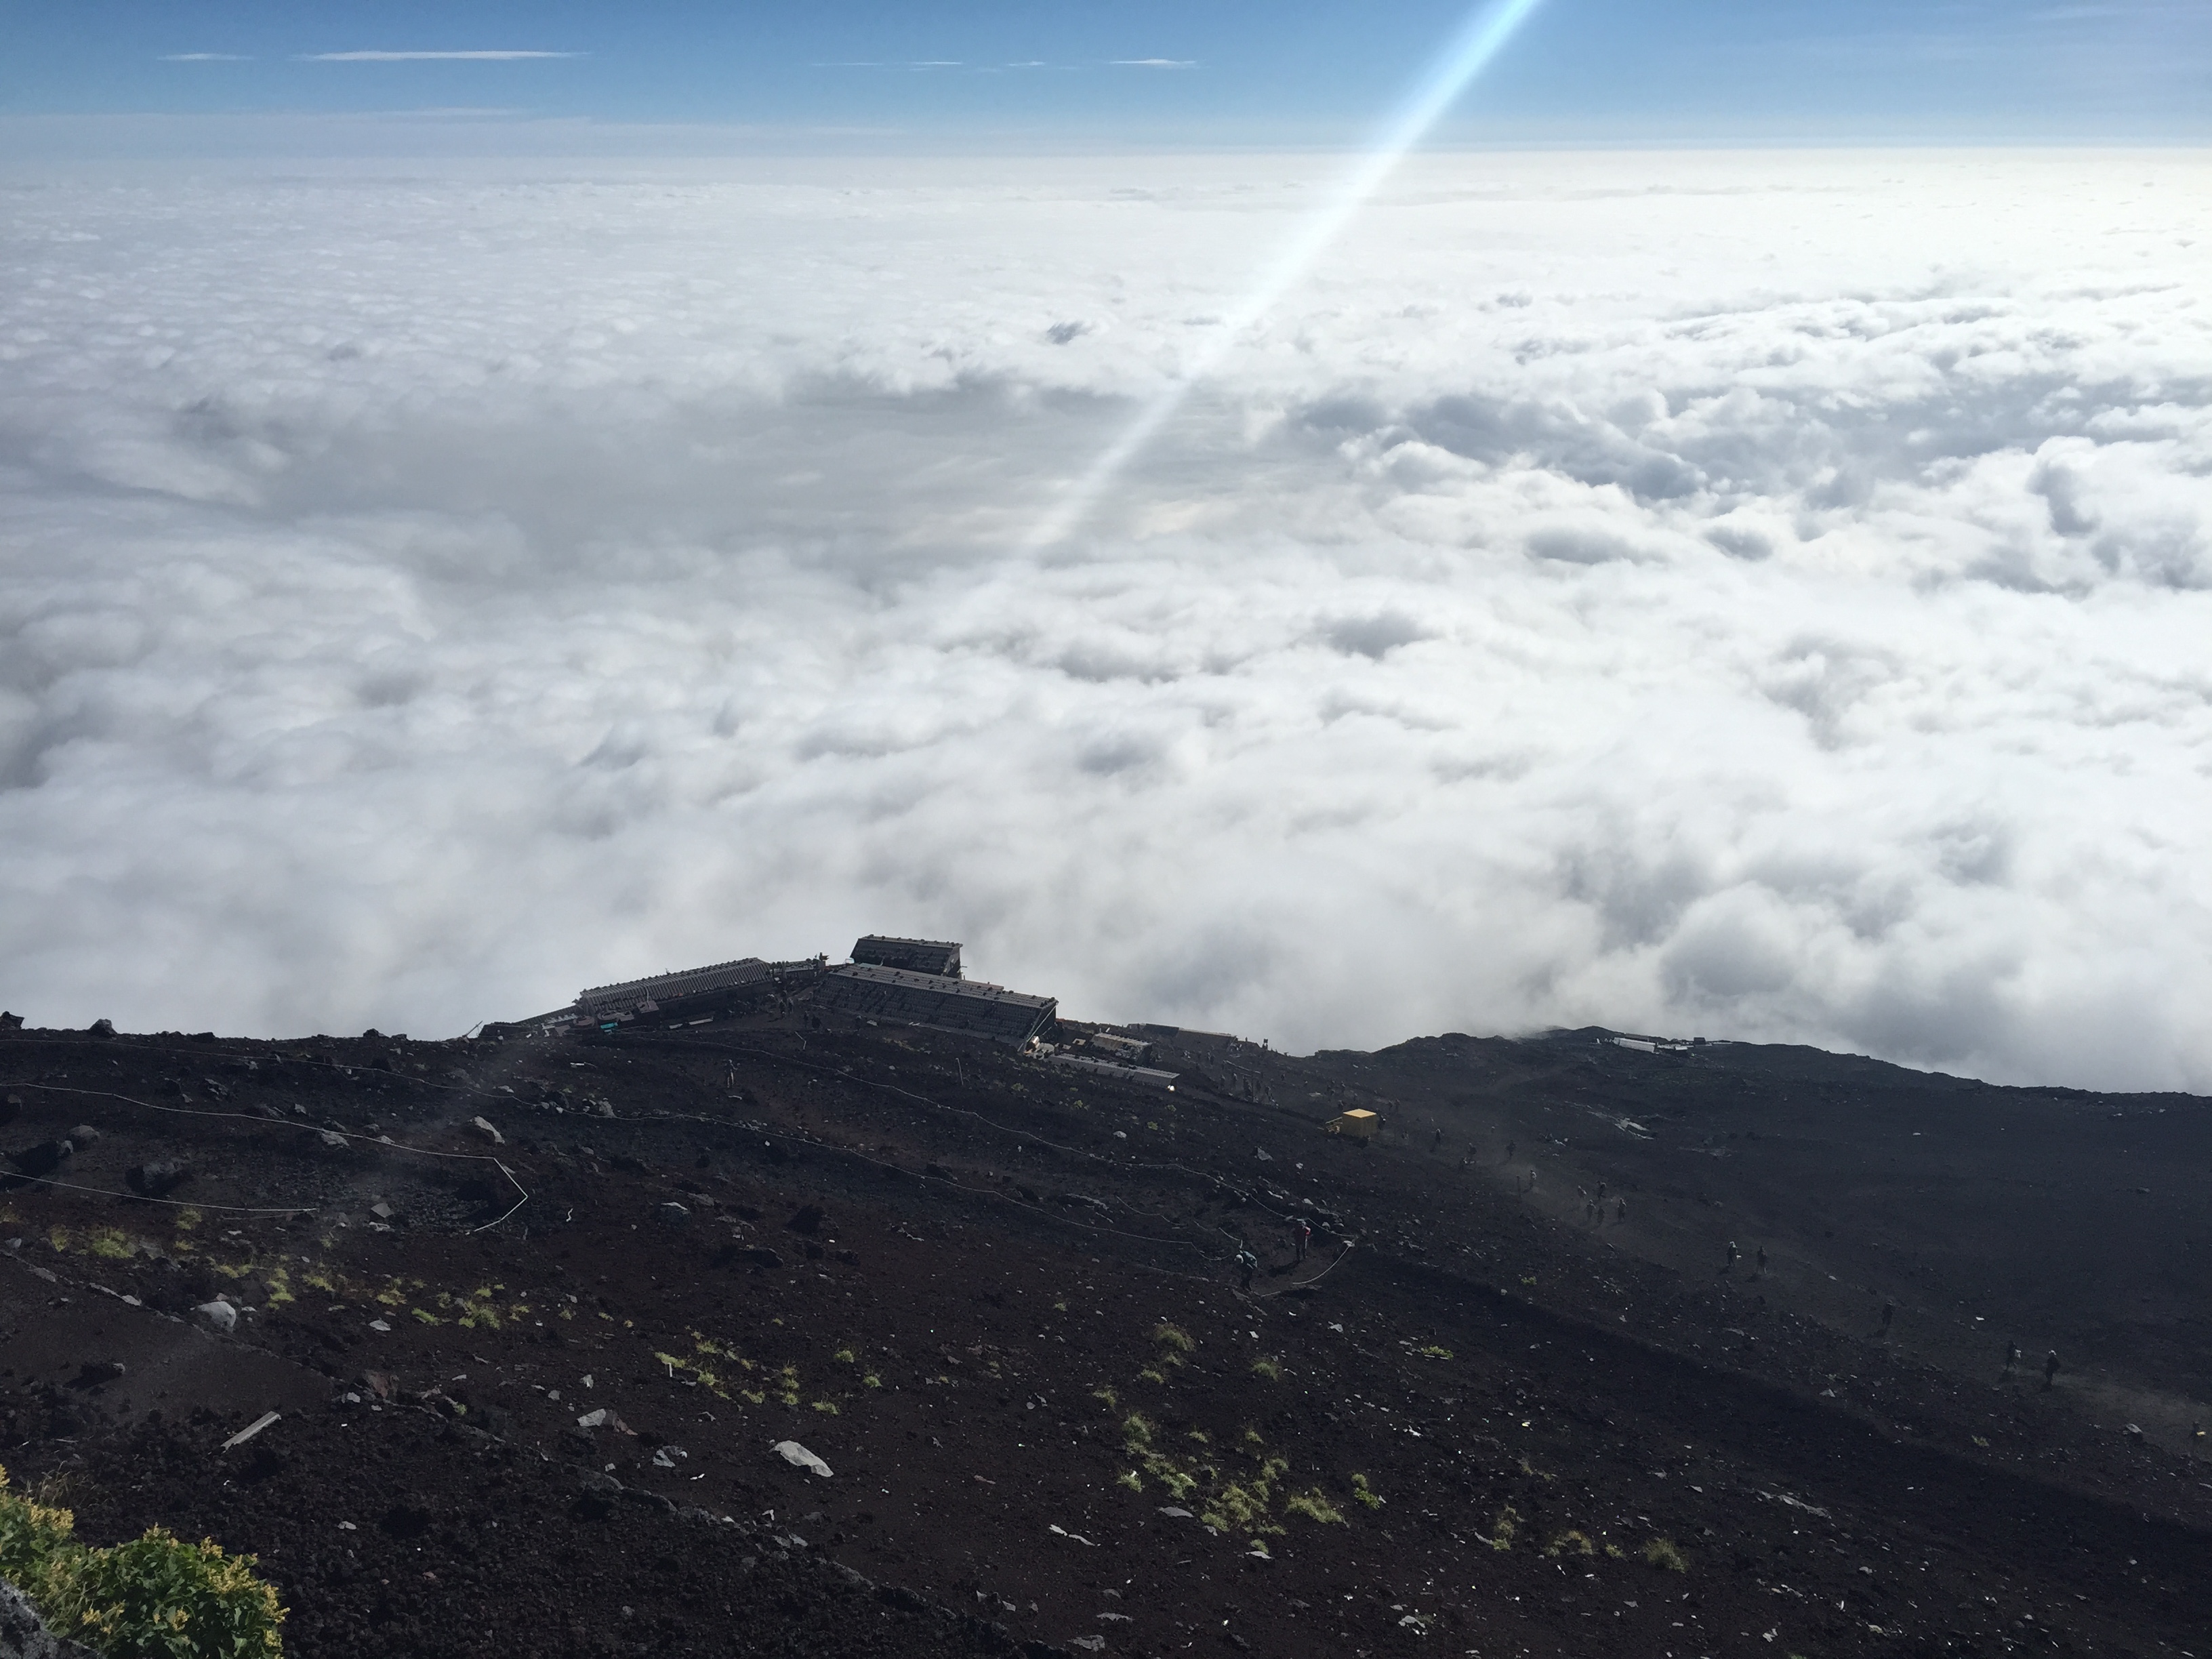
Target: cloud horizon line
499, 56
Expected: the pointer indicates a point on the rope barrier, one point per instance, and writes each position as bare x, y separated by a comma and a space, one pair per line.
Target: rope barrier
248, 1117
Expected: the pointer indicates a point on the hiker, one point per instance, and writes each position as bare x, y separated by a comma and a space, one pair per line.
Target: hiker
1249, 1264
1620, 1213
2050, 1368
1509, 1146
1438, 1141
1761, 1271
1733, 1253
1300, 1234
1888, 1313
2012, 1357
1601, 1195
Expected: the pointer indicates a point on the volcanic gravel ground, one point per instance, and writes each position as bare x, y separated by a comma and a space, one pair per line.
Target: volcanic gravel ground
996, 1298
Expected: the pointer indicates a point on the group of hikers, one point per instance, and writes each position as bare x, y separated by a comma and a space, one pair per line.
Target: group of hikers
1301, 1240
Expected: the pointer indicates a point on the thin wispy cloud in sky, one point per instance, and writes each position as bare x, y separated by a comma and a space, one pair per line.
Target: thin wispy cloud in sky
205, 57
427, 57
1154, 63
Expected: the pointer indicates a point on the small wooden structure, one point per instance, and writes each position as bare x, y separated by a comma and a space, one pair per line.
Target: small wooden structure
1358, 1124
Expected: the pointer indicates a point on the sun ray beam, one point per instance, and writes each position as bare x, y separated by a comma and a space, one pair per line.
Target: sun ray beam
1484, 36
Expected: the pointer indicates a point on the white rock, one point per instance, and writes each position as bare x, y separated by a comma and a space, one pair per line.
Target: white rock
23, 1636
482, 1126
217, 1316
799, 1458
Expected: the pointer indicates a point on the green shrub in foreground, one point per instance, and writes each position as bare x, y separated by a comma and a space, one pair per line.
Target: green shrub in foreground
156, 1597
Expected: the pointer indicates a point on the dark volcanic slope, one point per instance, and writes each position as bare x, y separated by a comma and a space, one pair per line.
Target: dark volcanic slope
996, 1298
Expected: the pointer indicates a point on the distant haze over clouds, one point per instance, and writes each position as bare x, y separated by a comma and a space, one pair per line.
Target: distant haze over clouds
984, 74
1749, 595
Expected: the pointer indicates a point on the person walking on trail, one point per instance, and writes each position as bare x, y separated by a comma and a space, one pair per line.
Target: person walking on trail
1509, 1146
1299, 1236
2012, 1357
1888, 1313
1248, 1264
1760, 1273
1733, 1253
1620, 1210
2050, 1368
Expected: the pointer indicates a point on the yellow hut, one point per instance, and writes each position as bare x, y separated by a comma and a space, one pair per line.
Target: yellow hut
1359, 1125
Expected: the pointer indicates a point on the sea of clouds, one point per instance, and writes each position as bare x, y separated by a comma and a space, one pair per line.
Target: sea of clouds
1754, 595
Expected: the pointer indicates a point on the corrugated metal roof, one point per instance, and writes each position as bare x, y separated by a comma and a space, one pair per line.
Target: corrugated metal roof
950, 1005
1151, 1076
689, 982
916, 955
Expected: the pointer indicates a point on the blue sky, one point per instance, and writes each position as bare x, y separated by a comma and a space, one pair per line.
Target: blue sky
1145, 72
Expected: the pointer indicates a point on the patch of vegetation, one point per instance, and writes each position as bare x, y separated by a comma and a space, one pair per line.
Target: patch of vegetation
154, 1596
1432, 1351
829, 1406
845, 1357
1504, 1529
1662, 1553
1173, 1338
1315, 1507
1270, 1368
1150, 1375
1366, 1494
1130, 1479
872, 1380
1570, 1543
109, 1244
1112, 1401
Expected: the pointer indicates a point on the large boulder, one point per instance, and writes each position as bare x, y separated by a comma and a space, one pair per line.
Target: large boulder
24, 1635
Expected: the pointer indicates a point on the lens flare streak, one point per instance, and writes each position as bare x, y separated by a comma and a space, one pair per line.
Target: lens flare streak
1484, 36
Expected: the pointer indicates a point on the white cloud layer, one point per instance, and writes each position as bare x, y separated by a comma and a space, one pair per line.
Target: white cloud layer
1762, 596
